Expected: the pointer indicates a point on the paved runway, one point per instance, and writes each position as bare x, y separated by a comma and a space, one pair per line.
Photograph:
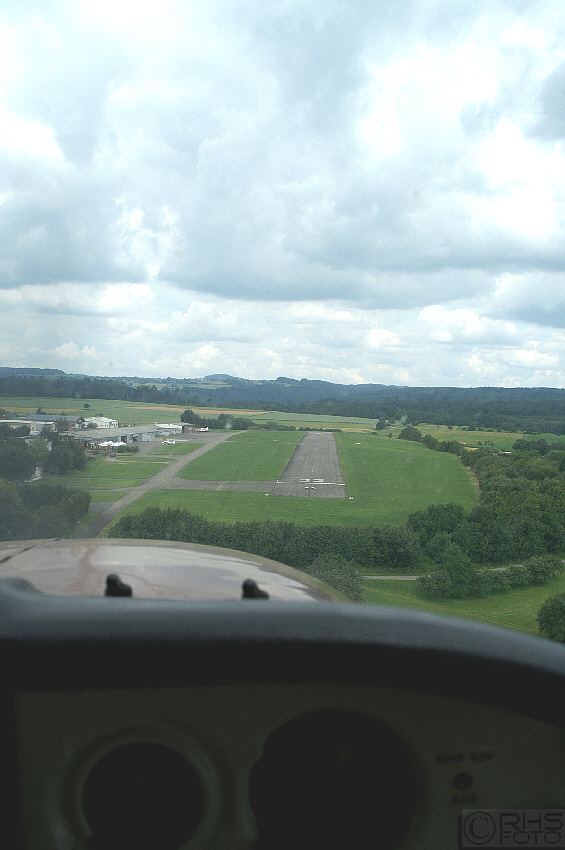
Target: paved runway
314, 469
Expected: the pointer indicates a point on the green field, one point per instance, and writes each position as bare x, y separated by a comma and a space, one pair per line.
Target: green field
387, 479
312, 420
118, 468
115, 472
502, 441
177, 449
229, 506
126, 412
514, 609
251, 456
105, 496
390, 479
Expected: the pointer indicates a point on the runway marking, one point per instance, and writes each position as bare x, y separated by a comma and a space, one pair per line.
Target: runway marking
221, 485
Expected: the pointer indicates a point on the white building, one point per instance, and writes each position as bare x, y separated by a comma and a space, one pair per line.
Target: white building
102, 422
126, 434
168, 428
34, 426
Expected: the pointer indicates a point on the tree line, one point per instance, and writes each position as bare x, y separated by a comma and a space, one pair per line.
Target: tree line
394, 548
535, 410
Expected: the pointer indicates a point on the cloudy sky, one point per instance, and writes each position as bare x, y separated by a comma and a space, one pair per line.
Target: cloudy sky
350, 190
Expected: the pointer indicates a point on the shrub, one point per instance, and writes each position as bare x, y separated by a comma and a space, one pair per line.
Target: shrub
543, 568
518, 575
339, 573
411, 433
551, 618
435, 548
437, 584
498, 580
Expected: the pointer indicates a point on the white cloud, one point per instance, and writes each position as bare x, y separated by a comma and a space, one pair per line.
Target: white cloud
379, 337
464, 326
70, 352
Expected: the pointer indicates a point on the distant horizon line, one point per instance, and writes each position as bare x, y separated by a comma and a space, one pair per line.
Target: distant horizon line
218, 376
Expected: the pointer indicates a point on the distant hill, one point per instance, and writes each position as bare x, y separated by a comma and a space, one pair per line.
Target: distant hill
225, 379
539, 409
29, 370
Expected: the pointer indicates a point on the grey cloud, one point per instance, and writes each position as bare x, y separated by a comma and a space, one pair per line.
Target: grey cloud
225, 161
536, 299
551, 124
223, 156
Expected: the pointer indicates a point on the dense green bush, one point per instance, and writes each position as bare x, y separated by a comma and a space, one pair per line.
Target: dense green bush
437, 585
39, 510
542, 569
63, 458
339, 573
551, 618
385, 547
17, 463
459, 578
411, 433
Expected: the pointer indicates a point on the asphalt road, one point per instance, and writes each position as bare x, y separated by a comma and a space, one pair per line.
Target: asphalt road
314, 470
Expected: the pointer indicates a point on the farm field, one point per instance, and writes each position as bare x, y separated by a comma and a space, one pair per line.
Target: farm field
126, 412
311, 420
514, 609
250, 456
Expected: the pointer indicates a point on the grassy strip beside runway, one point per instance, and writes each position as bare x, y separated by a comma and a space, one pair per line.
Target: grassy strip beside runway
250, 456
397, 477
126, 468
168, 450
105, 496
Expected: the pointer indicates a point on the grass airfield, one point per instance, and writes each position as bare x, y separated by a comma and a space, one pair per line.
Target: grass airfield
387, 479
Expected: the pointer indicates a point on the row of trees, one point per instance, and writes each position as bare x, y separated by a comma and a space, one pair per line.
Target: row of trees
458, 578
223, 422
388, 547
18, 460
